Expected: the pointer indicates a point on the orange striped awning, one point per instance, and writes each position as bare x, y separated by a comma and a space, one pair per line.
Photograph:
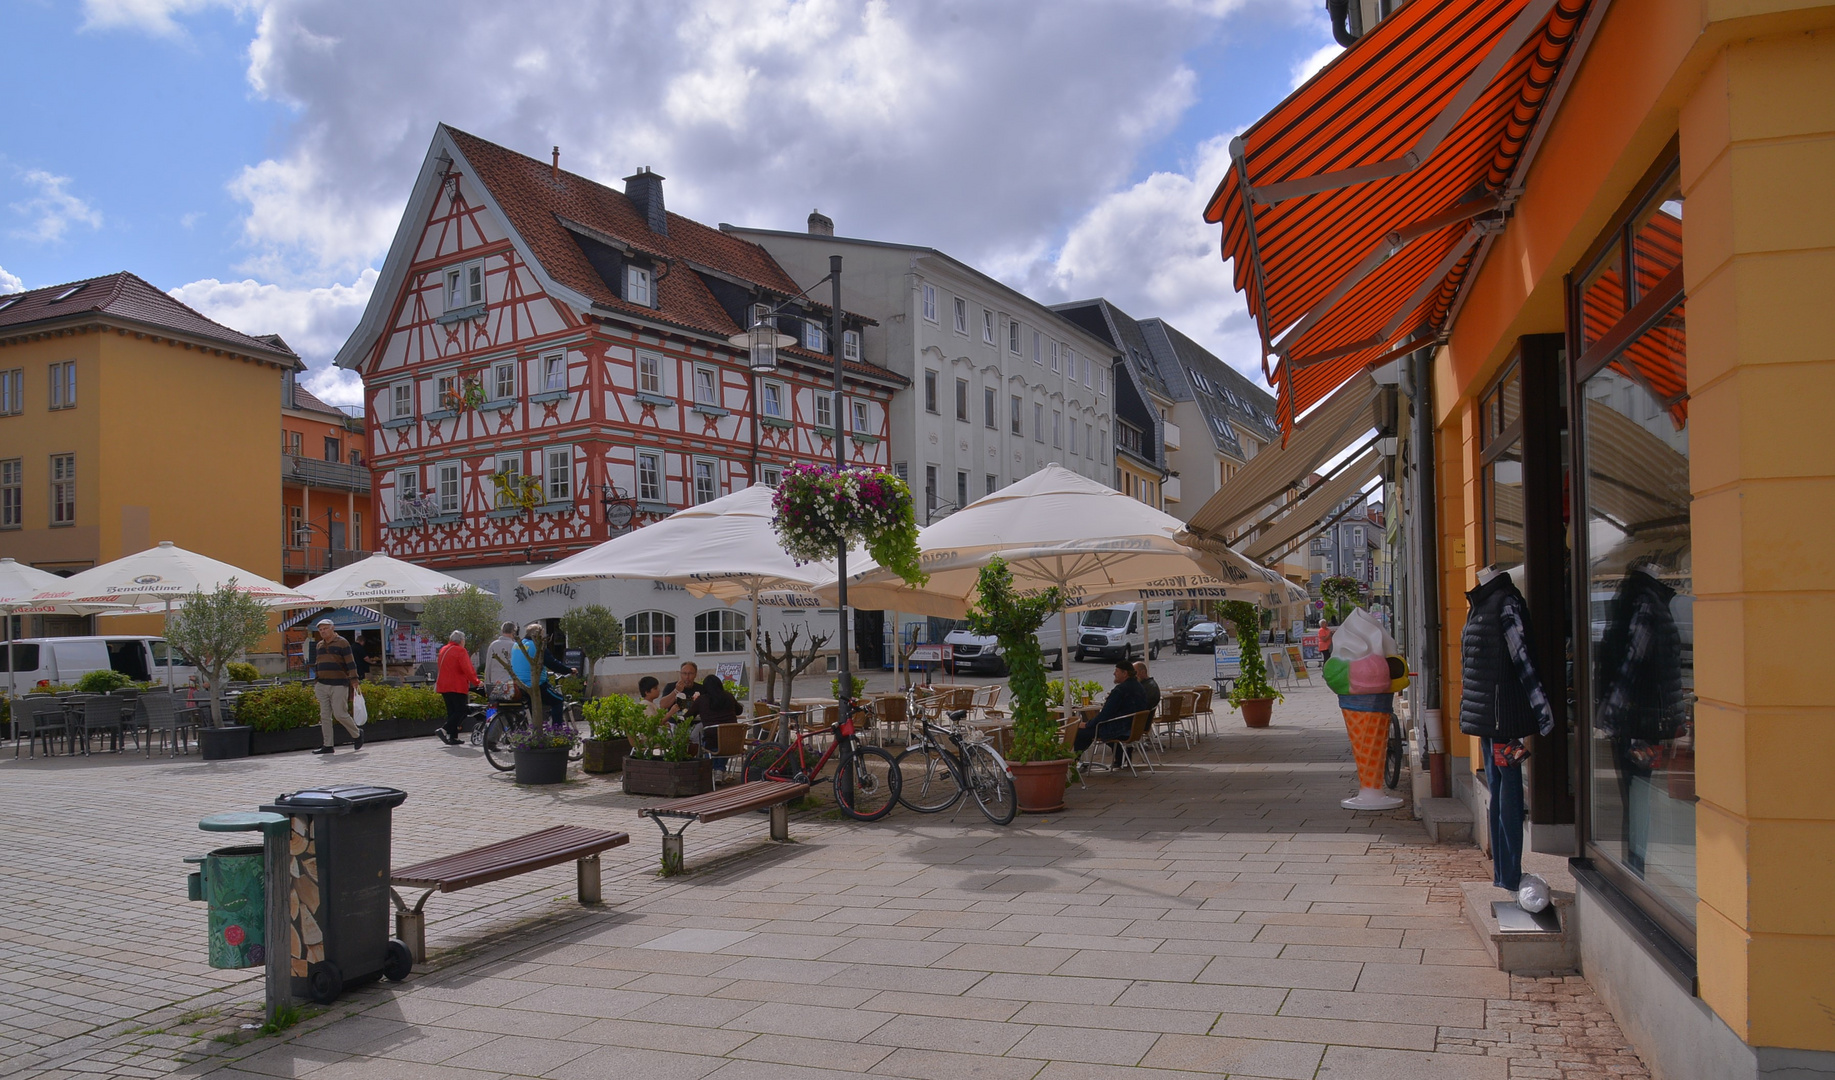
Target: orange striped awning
1353, 211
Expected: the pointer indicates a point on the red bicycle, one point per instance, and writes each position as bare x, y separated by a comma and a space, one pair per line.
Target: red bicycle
866, 777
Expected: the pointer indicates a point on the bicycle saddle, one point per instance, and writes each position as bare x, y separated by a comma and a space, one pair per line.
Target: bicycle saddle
958, 715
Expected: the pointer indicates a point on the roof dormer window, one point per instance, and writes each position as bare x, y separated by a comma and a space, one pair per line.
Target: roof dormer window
637, 286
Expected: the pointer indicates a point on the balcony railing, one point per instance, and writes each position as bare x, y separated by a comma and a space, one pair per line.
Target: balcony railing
1171, 436
1169, 489
301, 471
318, 560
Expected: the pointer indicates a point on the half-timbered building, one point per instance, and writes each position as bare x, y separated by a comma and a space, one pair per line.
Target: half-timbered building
545, 362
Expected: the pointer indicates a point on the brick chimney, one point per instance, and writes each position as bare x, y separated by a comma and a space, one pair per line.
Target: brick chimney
645, 190
821, 224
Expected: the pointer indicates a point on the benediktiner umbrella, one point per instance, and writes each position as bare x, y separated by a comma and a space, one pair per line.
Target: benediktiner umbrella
1058, 528
18, 584
380, 579
163, 574
724, 549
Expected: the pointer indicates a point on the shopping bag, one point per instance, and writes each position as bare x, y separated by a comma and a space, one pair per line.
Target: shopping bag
359, 710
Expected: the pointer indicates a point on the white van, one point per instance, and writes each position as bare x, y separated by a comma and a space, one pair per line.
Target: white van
1126, 631
972, 654
65, 660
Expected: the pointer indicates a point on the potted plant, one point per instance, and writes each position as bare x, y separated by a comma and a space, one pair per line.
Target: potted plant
665, 760
818, 508
541, 752
211, 630
611, 719
597, 633
1250, 692
1038, 759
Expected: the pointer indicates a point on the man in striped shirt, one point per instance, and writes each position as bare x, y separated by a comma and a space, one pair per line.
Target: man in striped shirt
335, 681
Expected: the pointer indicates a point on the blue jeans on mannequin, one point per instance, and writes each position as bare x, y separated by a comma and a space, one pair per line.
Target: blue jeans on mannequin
1506, 821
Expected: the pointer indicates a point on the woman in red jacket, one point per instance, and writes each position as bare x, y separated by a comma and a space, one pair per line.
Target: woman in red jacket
456, 679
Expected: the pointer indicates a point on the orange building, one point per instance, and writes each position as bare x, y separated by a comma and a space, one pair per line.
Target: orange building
325, 485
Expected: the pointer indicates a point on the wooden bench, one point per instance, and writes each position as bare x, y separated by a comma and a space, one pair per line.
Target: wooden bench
494, 862
771, 795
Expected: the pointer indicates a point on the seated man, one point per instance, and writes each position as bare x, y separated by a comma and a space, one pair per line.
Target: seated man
1117, 716
681, 693
1148, 685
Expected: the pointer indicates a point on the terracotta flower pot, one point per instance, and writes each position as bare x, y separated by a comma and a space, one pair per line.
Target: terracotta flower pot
1038, 786
1256, 712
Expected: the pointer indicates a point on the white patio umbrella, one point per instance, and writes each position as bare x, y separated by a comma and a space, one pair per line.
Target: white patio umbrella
18, 584
1059, 528
379, 579
160, 575
724, 549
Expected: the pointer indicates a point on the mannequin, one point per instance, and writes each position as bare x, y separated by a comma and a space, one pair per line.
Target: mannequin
1502, 702
1359, 671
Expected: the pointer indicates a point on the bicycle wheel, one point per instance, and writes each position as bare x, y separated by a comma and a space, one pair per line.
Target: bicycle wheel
927, 780
496, 751
1392, 769
991, 783
866, 782
760, 759
571, 718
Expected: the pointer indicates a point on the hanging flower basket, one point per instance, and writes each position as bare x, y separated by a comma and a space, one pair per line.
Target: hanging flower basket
818, 507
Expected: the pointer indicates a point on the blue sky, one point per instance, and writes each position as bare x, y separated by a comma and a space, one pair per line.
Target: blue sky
252, 155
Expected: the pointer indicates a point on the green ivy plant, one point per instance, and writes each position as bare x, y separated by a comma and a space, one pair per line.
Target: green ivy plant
1252, 685
1013, 619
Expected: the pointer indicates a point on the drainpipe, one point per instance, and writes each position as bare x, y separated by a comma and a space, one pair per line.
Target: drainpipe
1427, 517
1344, 32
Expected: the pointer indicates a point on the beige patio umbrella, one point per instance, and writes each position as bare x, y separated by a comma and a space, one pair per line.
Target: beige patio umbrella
18, 584
1059, 528
379, 579
724, 549
158, 576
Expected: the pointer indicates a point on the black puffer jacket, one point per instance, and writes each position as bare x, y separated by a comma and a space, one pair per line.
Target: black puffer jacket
1494, 702
1639, 667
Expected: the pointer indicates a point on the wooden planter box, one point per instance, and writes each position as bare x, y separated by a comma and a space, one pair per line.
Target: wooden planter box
604, 755
670, 779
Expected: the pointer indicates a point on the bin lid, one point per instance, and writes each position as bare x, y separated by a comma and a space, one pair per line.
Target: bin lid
241, 821
338, 799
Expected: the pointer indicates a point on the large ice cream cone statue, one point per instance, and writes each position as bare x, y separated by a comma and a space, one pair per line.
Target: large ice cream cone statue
1359, 671
1369, 733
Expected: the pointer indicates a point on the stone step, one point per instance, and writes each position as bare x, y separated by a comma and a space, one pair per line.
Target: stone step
1528, 952
1448, 821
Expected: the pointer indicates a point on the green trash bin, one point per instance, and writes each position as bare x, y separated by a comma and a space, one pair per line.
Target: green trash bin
232, 881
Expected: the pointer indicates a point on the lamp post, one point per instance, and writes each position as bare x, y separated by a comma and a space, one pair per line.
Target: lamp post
761, 341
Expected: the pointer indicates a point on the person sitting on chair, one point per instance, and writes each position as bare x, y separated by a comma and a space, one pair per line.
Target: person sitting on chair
1116, 719
711, 707
1151, 688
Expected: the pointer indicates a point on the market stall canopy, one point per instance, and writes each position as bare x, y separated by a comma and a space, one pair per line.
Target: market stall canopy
164, 574
380, 579
1327, 431
1318, 510
1358, 208
348, 617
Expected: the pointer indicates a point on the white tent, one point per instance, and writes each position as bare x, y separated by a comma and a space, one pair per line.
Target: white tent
725, 549
160, 575
1058, 528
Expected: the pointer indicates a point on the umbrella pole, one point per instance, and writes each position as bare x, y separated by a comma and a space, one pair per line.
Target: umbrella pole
167, 629
1064, 651
12, 688
751, 661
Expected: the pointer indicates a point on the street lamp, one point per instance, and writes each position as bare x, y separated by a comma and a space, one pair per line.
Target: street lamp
761, 341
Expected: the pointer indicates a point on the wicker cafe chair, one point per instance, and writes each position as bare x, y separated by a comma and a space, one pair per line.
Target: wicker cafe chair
1135, 743
44, 720
1176, 709
158, 714
1204, 718
98, 714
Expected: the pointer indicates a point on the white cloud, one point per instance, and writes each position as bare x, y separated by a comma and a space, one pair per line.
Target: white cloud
1148, 249
148, 16
54, 209
10, 283
315, 321
1310, 65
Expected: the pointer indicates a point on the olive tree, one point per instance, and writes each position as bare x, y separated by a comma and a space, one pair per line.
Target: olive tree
470, 609
213, 628
597, 633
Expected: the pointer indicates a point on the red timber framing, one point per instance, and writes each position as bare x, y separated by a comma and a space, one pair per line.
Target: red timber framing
489, 350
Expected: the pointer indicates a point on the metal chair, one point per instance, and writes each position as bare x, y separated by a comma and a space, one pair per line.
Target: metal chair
44, 718
1176, 708
97, 714
158, 714
1135, 743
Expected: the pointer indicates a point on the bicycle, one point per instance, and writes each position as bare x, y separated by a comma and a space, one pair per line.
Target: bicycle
503, 717
866, 778
933, 778
1398, 749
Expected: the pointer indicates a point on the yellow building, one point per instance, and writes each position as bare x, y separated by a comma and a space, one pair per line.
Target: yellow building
1598, 241
126, 418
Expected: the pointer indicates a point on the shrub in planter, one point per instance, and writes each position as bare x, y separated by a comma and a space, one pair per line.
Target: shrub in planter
1250, 692
610, 719
102, 682
410, 704
279, 708
665, 759
241, 671
1039, 759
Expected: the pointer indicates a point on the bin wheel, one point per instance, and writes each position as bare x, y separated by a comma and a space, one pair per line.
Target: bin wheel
324, 982
398, 962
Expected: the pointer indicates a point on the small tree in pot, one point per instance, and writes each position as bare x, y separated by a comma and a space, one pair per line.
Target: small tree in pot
597, 633
1250, 692
211, 630
1039, 758
470, 609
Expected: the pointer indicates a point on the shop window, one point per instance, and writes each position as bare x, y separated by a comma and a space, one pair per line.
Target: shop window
1635, 659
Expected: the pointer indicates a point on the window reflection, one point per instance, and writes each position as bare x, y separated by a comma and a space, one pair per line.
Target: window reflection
1602, 296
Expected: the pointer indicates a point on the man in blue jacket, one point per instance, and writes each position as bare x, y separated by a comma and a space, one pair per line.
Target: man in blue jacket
1117, 716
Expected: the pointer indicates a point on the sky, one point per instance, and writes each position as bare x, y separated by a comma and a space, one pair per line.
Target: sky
253, 157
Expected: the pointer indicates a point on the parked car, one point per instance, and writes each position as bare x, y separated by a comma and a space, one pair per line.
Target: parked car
67, 659
971, 653
1200, 637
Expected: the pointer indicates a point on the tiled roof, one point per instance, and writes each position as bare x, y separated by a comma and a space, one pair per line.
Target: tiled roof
306, 401
1119, 329
540, 204
129, 298
1225, 396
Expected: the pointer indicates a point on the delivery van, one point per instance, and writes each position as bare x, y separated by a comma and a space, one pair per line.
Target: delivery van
1126, 631
972, 654
65, 660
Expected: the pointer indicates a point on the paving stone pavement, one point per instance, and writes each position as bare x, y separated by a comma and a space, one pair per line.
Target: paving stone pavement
1222, 916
